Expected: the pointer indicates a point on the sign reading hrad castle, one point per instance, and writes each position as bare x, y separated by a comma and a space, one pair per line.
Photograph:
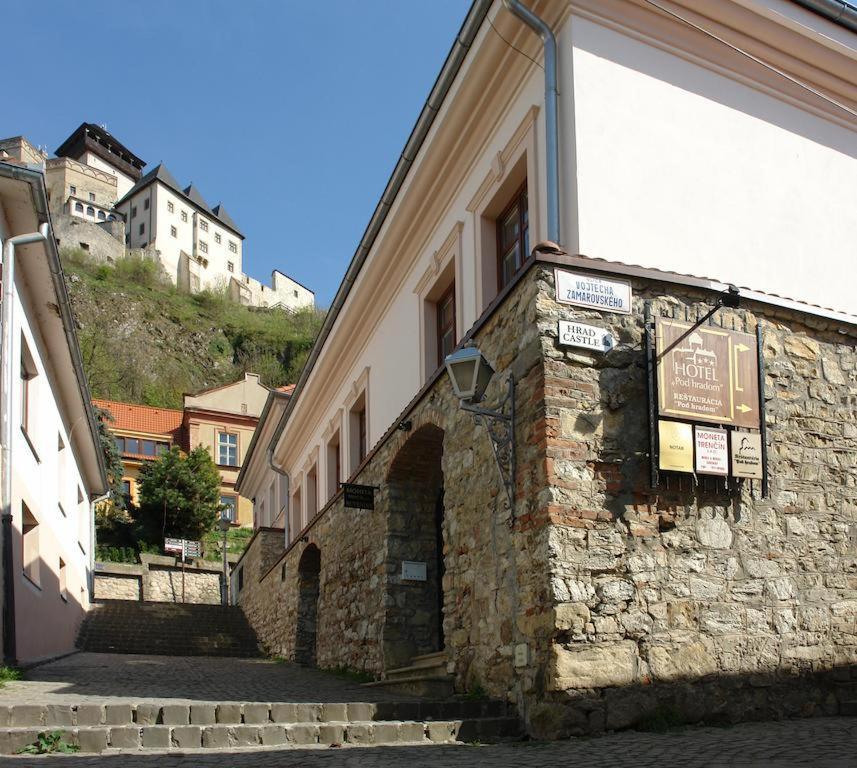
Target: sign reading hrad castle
707, 373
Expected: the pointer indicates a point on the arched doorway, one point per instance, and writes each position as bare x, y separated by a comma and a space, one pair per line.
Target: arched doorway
414, 614
309, 571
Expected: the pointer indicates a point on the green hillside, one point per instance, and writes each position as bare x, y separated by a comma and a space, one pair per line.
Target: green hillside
144, 341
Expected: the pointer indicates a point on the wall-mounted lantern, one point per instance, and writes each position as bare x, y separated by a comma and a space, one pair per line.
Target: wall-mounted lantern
470, 373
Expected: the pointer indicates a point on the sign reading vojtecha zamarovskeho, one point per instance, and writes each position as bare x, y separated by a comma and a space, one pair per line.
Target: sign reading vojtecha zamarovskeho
590, 337
593, 292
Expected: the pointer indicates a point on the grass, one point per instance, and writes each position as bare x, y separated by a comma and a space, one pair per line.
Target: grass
350, 674
48, 742
9, 674
145, 341
236, 541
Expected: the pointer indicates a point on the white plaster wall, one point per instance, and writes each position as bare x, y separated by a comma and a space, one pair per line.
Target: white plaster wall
123, 182
46, 624
681, 168
393, 351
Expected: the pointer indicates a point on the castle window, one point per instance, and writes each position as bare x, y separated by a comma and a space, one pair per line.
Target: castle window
513, 238
217, 237
133, 211
72, 190
78, 207
146, 204
173, 231
233, 247
92, 197
90, 211
184, 215
203, 246
170, 207
142, 228
230, 266
102, 215
203, 225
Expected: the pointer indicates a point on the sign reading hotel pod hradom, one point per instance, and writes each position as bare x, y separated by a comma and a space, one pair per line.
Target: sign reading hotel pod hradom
707, 373
593, 292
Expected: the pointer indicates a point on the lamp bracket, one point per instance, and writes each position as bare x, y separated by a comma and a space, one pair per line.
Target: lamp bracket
500, 424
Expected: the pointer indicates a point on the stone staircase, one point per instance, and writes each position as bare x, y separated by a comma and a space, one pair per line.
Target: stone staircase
426, 676
170, 629
147, 726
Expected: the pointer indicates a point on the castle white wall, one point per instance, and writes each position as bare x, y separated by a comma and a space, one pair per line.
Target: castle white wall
123, 181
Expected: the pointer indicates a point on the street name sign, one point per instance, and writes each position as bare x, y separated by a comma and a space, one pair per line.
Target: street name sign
712, 452
707, 373
593, 292
589, 337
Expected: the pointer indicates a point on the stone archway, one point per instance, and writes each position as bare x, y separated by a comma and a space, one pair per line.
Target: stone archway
309, 573
414, 608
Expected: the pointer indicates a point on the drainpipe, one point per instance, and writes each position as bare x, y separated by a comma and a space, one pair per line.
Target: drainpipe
551, 104
7, 381
837, 11
286, 518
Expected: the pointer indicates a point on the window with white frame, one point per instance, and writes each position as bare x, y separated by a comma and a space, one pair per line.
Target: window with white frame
170, 206
233, 246
357, 432
227, 449
217, 237
311, 483
203, 246
72, 190
28, 376
184, 215
203, 225
334, 465
174, 232
230, 507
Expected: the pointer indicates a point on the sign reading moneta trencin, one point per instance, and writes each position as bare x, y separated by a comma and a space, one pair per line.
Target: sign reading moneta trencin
706, 373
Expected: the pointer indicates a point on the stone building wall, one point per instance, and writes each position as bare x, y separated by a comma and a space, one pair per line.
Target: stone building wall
104, 242
603, 602
159, 582
694, 600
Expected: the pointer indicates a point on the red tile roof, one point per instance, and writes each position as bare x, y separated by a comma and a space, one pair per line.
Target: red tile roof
288, 389
142, 418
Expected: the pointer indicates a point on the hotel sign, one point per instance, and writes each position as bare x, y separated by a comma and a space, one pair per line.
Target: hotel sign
593, 292
707, 373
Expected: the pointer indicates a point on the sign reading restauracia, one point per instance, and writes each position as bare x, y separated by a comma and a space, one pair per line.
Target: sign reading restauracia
706, 373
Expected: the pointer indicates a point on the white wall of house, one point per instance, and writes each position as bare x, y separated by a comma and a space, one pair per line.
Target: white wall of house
50, 561
684, 168
665, 163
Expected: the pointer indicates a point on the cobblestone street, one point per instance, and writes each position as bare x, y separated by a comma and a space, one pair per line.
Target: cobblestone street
819, 742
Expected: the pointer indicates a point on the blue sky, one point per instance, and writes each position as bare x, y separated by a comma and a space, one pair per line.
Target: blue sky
291, 114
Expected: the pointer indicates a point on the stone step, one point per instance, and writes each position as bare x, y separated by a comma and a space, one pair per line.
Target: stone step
131, 712
174, 629
424, 670
98, 738
437, 657
419, 684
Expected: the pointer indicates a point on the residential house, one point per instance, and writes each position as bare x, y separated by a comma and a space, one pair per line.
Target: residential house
142, 433
52, 463
689, 163
223, 419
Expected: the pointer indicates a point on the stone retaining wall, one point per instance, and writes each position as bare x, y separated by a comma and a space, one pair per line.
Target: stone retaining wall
603, 603
158, 579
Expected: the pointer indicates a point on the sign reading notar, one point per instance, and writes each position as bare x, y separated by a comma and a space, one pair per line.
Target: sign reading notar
707, 373
593, 292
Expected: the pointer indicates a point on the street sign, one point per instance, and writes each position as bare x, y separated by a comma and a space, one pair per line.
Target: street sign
589, 337
192, 548
676, 446
707, 373
359, 496
593, 292
712, 454
747, 455
174, 545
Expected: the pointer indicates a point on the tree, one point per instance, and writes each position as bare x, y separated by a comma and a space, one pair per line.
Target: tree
179, 495
112, 459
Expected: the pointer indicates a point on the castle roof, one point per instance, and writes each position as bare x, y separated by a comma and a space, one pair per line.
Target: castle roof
190, 193
96, 139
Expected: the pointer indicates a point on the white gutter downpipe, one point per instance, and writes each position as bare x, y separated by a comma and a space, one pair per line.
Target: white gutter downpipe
551, 109
287, 521
7, 381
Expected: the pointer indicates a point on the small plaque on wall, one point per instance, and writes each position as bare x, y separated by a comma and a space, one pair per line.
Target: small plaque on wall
747, 455
413, 571
712, 451
676, 446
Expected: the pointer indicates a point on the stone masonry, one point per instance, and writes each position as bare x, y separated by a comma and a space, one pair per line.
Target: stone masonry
601, 602
159, 581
